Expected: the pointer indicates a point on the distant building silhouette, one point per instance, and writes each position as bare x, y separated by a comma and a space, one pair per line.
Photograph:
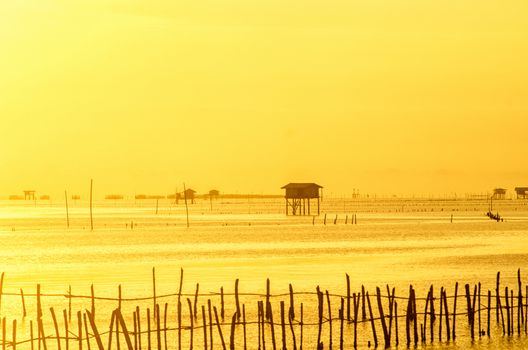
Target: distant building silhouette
29, 194
499, 193
189, 194
298, 195
522, 192
214, 194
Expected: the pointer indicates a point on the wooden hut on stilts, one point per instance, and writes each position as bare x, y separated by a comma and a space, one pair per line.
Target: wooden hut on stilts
298, 197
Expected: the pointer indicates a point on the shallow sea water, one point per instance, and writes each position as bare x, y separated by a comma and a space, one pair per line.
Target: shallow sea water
395, 242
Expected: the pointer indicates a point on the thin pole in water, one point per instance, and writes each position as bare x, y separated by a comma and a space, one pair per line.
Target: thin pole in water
67, 213
186, 206
91, 216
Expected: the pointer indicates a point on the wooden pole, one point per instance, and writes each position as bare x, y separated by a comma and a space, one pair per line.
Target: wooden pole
329, 320
237, 302
138, 315
219, 328
91, 204
341, 322
67, 211
186, 205
210, 309
158, 326
301, 324
386, 336
454, 311
66, 332
55, 324
179, 325
222, 313
154, 303
196, 301
372, 322
204, 322
88, 334
95, 331
244, 325
320, 313
272, 326
149, 331
165, 312
14, 339
292, 306
283, 325
489, 307
80, 331
192, 323
24, 314
348, 296
232, 334
497, 297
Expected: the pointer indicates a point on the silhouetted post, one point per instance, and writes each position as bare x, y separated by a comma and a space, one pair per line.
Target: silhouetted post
93, 300
97, 336
157, 205
363, 307
341, 322
186, 206
441, 313
301, 324
66, 332
210, 311
55, 324
204, 321
291, 312
191, 318
478, 298
372, 322
13, 340
489, 307
506, 297
386, 336
356, 312
454, 311
520, 314
267, 298
348, 296
138, 315
448, 330
497, 297
23, 303
222, 302
67, 212
149, 342
219, 328
232, 335
272, 326
320, 314
179, 324
79, 329
237, 302
329, 320
283, 325
244, 325
87, 334
91, 204
396, 322
196, 301
69, 303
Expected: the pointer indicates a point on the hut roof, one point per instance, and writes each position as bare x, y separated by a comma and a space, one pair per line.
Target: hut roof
521, 189
301, 185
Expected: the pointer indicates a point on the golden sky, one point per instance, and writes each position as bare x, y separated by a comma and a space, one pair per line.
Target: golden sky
407, 96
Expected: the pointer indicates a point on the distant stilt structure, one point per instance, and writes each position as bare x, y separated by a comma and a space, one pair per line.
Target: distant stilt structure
298, 197
29, 195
